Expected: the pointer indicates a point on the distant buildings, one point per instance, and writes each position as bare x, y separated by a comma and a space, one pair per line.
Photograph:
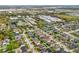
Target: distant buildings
49, 18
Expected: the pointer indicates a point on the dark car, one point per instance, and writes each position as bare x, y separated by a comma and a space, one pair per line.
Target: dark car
23, 49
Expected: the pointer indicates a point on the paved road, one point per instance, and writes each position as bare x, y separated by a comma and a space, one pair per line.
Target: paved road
26, 39
51, 38
73, 31
68, 33
28, 42
57, 42
27, 22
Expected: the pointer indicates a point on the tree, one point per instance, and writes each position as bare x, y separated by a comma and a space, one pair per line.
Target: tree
12, 45
1, 37
1, 50
41, 24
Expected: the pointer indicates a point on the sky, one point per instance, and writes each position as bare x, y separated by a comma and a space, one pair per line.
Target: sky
39, 2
